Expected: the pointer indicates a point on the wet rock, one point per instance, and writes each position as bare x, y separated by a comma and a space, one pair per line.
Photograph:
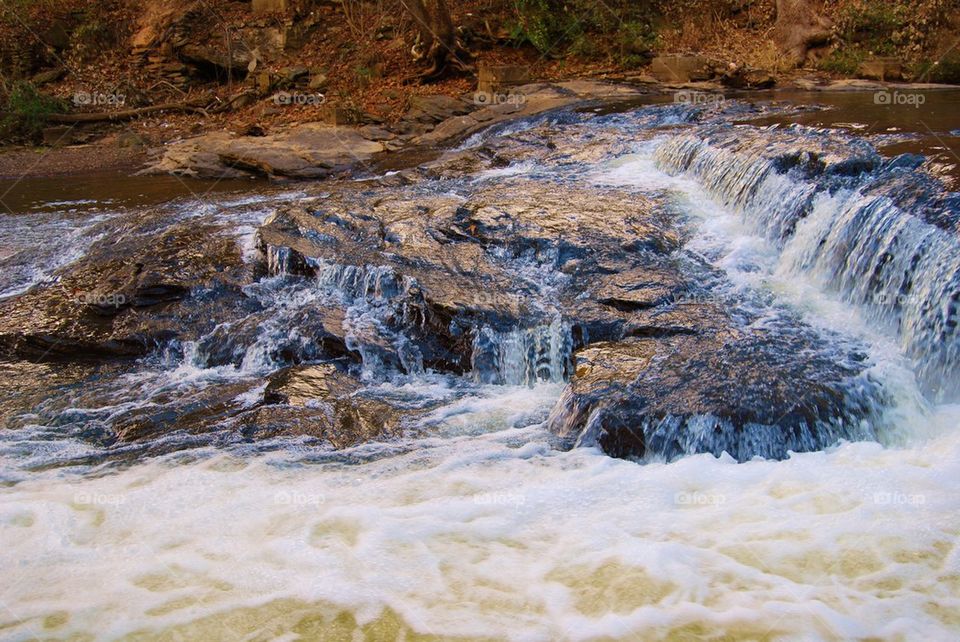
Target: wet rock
323, 401
424, 275
124, 298
312, 333
716, 386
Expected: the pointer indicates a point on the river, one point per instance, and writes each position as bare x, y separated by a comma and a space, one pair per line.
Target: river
472, 519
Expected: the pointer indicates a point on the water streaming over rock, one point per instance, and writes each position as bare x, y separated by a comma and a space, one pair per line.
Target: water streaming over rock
523, 356
821, 198
356, 434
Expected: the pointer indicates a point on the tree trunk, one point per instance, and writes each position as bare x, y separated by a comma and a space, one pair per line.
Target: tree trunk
442, 48
799, 28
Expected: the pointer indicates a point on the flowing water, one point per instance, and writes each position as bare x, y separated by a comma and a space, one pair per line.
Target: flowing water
473, 521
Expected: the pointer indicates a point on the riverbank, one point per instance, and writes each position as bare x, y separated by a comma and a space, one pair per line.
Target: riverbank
190, 145
100, 156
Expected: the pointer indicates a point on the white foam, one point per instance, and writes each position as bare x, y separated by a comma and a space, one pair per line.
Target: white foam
495, 535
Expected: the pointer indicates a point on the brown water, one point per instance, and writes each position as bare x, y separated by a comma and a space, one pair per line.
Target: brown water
931, 128
108, 190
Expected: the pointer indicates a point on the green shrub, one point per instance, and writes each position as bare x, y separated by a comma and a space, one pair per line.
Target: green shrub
26, 110
946, 70
870, 22
545, 23
584, 27
844, 61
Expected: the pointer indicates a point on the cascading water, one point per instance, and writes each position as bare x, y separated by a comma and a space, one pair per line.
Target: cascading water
523, 356
822, 212
468, 519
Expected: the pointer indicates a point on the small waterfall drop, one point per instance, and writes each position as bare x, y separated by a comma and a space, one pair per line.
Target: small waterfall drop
523, 356
832, 219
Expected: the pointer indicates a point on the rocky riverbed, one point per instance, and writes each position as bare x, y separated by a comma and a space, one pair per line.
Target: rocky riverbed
620, 367
511, 259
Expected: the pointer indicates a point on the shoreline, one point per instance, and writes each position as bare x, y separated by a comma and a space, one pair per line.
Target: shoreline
120, 152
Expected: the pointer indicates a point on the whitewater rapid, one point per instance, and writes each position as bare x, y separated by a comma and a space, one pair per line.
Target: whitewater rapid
493, 535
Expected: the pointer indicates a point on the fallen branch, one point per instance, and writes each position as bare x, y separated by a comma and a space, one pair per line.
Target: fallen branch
114, 116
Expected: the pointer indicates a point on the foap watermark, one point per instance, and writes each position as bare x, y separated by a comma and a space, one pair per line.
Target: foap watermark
894, 498
488, 98
886, 299
499, 499
697, 298
698, 98
300, 99
101, 299
88, 498
98, 99
483, 298
899, 98
697, 498
298, 498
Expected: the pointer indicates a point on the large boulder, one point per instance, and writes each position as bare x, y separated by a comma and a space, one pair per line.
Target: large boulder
698, 381
436, 272
310, 150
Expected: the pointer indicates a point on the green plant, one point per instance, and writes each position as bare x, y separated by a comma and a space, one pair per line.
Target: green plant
635, 38
26, 109
870, 21
538, 23
946, 70
585, 27
844, 61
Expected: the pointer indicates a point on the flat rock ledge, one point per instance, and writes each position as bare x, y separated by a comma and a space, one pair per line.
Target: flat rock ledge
317, 150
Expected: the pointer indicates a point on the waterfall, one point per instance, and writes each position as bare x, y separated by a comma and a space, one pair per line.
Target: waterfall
523, 356
833, 220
